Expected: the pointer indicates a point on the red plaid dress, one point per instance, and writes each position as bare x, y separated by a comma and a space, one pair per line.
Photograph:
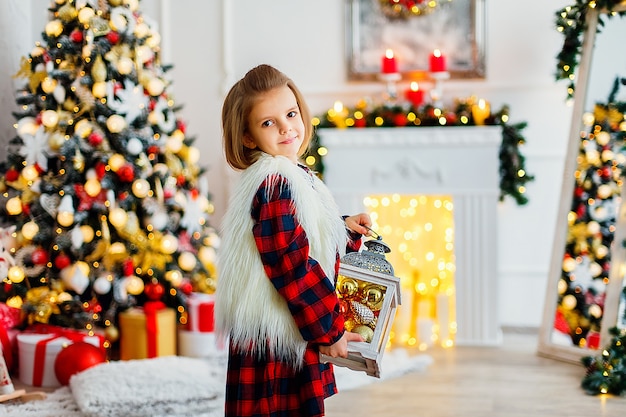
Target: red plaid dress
267, 387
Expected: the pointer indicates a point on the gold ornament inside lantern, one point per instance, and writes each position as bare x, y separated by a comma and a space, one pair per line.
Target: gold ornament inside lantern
369, 294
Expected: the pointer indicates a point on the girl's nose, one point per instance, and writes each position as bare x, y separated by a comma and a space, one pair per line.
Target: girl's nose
283, 128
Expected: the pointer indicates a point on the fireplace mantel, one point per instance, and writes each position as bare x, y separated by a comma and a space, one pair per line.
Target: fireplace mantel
458, 161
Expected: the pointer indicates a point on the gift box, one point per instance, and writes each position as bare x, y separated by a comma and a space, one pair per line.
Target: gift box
38, 348
197, 345
147, 332
368, 295
10, 318
200, 308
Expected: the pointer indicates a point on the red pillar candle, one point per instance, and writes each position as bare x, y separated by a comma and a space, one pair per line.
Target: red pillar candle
437, 61
389, 64
414, 95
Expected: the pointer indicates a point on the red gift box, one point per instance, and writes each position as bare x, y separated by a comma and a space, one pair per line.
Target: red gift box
38, 348
200, 308
10, 317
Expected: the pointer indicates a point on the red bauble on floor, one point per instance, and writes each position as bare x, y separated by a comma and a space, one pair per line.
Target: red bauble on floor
76, 358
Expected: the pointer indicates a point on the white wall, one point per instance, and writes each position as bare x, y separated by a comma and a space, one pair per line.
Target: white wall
213, 43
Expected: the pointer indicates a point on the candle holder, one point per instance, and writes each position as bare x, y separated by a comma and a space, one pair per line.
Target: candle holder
436, 93
390, 80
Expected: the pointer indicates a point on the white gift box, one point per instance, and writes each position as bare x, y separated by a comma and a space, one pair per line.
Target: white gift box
37, 353
197, 345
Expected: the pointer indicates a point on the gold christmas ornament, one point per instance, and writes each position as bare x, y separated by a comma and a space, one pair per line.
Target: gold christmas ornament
48, 85
116, 123
141, 188
30, 230
14, 206
187, 261
16, 274
116, 161
54, 28
134, 285
366, 332
85, 14
99, 70
67, 13
373, 296
125, 65
111, 332
99, 89
169, 244
348, 287
49, 118
56, 141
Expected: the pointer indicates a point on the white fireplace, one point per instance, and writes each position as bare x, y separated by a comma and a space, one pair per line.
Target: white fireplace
459, 161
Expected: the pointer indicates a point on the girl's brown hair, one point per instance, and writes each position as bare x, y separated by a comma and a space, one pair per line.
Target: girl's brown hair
238, 105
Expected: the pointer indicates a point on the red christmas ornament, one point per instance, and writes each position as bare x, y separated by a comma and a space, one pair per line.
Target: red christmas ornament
181, 126
126, 173
113, 37
95, 139
75, 358
180, 180
12, 175
101, 170
186, 287
39, 256
128, 268
399, 120
154, 291
451, 118
62, 261
360, 122
76, 36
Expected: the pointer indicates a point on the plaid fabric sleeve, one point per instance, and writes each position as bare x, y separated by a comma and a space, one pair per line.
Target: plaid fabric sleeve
284, 250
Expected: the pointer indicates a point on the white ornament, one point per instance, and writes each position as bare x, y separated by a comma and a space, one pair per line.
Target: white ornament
76, 277
102, 285
134, 146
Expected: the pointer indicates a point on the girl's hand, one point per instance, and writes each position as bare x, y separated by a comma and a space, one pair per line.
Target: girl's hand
340, 348
359, 223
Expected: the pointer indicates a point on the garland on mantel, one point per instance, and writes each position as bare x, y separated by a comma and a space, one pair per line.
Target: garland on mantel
513, 174
571, 21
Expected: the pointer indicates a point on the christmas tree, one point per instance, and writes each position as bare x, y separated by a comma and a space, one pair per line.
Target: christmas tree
587, 258
103, 205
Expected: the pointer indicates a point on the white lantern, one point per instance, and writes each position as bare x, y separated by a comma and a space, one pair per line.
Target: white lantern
370, 294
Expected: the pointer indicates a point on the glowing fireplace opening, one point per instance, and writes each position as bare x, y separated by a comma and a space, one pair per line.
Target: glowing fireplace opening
419, 229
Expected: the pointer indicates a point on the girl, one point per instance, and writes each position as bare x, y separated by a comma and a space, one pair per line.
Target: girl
282, 240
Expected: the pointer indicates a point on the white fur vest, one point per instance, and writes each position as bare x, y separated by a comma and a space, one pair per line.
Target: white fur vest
248, 309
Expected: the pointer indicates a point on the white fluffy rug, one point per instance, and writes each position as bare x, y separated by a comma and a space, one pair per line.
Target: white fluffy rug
171, 386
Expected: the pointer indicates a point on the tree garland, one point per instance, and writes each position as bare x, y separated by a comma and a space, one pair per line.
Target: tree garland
571, 21
513, 175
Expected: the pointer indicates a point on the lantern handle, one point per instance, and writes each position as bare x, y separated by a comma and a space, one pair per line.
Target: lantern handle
377, 236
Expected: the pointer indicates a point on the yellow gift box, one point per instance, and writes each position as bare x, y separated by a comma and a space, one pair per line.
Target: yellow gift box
147, 332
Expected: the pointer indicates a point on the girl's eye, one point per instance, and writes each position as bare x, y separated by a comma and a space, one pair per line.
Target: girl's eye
267, 123
292, 113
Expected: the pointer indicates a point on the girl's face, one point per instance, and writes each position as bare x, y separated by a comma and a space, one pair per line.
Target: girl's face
275, 124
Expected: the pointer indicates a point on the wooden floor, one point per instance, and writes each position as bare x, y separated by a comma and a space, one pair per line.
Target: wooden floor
504, 381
